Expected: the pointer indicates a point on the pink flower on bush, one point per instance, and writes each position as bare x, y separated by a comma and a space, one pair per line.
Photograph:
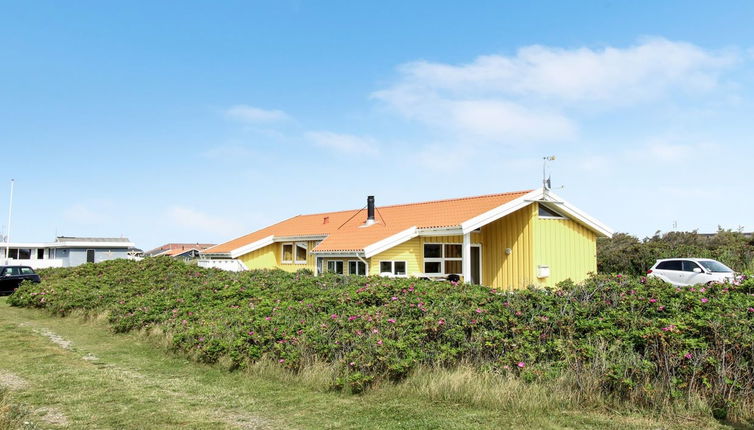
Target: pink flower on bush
521, 364
281, 361
394, 298
251, 333
750, 309
379, 342
441, 321
519, 313
352, 364
478, 310
671, 327
704, 300
353, 317
652, 300
391, 320
661, 308
688, 356
334, 316
267, 318
701, 290
374, 330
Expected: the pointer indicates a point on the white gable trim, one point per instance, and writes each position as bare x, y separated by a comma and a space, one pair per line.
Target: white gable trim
577, 214
500, 211
527, 199
253, 246
389, 242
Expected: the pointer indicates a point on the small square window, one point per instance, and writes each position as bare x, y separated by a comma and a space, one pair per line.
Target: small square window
453, 266
334, 266
432, 250
400, 268
432, 267
386, 267
357, 268
453, 251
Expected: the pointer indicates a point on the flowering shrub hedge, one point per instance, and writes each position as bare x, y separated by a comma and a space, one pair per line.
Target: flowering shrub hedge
647, 335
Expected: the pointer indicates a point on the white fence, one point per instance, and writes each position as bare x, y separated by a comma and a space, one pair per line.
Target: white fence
229, 265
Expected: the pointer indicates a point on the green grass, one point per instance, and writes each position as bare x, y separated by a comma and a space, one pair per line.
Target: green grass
129, 382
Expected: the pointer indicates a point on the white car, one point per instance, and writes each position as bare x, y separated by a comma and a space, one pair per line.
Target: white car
682, 272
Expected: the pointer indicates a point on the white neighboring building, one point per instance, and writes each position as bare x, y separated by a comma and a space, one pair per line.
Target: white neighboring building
67, 251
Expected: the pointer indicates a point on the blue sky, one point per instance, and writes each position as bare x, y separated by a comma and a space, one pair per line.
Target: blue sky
197, 122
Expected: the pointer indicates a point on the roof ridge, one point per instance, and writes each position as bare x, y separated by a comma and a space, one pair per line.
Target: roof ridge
421, 203
457, 198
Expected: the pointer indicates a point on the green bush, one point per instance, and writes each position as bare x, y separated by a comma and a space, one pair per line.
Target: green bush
632, 339
628, 255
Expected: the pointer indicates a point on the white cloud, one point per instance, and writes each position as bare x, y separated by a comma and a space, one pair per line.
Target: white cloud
255, 115
195, 220
345, 143
526, 95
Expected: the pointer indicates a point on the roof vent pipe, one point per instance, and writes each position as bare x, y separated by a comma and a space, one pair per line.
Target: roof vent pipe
370, 210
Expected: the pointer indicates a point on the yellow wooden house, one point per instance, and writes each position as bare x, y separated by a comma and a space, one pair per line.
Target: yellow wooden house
506, 241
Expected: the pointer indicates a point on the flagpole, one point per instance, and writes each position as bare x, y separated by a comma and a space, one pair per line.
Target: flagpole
10, 213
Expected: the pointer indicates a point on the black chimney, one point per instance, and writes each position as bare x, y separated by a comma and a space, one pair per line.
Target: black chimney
370, 210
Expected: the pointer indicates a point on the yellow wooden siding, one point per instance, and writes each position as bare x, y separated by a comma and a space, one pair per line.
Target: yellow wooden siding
412, 252
270, 257
409, 251
508, 271
569, 248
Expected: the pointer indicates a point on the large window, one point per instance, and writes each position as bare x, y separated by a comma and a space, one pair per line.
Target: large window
442, 258
335, 266
395, 268
357, 268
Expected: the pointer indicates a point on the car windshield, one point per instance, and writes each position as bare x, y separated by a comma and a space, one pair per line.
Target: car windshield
715, 266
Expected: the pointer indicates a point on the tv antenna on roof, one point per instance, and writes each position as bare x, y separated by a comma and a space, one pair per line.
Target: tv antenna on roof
546, 183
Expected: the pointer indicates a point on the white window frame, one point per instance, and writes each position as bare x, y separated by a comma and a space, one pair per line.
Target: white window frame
392, 268
282, 252
295, 252
357, 262
336, 266
551, 210
441, 259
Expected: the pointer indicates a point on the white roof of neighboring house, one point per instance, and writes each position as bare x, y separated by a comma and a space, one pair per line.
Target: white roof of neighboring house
75, 242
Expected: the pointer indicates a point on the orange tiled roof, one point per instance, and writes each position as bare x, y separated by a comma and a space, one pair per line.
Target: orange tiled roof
344, 232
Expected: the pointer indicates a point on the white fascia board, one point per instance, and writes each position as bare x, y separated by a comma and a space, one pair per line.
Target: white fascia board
93, 245
579, 215
443, 231
300, 238
337, 254
500, 211
216, 255
253, 246
390, 242
25, 245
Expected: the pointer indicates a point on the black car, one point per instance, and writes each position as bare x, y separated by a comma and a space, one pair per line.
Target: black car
11, 276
